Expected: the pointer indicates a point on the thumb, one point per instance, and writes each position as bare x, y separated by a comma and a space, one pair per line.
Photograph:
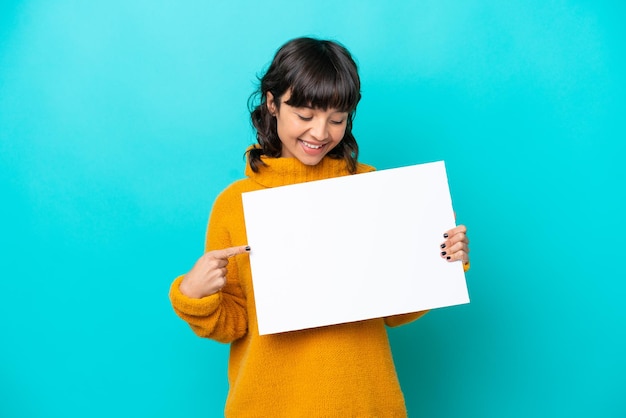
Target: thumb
229, 252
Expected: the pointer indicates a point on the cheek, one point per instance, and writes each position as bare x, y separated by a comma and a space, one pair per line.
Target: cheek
337, 133
287, 129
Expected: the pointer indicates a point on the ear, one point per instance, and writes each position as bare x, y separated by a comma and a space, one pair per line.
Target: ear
269, 101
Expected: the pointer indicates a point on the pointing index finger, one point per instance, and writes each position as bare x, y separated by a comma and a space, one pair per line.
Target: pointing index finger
230, 252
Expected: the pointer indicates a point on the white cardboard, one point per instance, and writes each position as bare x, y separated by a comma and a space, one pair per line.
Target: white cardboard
352, 248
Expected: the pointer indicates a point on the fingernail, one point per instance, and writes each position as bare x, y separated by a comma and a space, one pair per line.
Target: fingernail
445, 235
247, 248
448, 257
444, 253
443, 245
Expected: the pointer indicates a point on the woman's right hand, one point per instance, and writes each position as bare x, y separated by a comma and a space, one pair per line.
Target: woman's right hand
208, 275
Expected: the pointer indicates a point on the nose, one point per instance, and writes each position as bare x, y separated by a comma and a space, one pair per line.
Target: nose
319, 130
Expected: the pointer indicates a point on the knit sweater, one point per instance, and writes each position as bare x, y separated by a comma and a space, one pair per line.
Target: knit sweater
344, 370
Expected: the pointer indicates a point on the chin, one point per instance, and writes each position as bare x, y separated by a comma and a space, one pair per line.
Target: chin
308, 160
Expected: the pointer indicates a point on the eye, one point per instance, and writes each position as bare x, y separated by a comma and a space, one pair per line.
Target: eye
338, 122
305, 118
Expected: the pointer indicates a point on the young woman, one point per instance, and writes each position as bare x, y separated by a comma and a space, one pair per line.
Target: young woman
306, 105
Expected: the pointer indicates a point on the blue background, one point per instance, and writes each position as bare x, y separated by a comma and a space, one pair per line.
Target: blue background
121, 121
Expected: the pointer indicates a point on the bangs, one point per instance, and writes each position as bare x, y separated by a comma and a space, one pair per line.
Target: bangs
324, 83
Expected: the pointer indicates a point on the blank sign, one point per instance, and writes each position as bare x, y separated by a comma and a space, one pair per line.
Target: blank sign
352, 248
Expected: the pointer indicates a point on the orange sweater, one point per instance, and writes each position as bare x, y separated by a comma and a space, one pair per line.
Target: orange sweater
342, 370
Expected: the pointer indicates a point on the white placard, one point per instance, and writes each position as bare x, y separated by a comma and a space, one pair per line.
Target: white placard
352, 248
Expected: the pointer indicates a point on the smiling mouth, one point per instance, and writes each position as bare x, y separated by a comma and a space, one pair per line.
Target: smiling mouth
308, 145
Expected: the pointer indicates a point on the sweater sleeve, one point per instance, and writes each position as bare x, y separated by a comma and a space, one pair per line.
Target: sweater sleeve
397, 320
222, 316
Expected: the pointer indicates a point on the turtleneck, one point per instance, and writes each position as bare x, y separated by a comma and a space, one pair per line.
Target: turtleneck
283, 171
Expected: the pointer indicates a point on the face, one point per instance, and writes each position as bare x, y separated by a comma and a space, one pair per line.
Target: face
306, 133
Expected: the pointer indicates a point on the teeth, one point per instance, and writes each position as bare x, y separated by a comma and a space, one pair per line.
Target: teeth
306, 144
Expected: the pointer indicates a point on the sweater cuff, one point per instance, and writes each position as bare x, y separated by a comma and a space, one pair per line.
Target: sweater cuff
193, 306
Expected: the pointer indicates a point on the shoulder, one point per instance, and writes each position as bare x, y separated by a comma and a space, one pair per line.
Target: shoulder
236, 187
227, 209
364, 168
234, 190
230, 197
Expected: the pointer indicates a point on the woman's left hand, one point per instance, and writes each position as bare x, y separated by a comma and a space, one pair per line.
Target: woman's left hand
456, 246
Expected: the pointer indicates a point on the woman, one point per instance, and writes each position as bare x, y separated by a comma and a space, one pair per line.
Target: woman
307, 101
